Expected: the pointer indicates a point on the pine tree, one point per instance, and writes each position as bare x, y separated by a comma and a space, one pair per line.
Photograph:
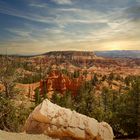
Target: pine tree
37, 97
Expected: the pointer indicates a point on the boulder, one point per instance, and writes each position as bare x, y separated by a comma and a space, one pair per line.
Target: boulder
55, 121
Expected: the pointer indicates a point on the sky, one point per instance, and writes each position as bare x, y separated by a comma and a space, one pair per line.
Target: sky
39, 26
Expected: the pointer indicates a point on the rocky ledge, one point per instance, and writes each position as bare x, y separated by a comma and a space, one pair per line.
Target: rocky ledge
57, 122
22, 136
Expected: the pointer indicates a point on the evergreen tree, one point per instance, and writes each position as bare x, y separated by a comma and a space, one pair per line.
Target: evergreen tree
128, 110
37, 97
94, 80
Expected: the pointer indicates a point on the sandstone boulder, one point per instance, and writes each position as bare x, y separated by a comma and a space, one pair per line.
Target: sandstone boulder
55, 121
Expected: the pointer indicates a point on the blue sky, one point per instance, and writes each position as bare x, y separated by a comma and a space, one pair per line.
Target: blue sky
38, 26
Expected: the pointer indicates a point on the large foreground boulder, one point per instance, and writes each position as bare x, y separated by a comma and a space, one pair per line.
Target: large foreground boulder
55, 121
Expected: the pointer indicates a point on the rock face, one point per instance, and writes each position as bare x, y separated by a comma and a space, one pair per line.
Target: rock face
73, 55
57, 81
55, 121
22, 136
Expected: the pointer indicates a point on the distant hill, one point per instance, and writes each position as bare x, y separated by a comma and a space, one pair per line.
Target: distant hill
71, 54
68, 53
85, 54
57, 54
119, 53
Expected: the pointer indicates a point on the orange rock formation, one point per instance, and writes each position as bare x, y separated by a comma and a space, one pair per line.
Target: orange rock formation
57, 81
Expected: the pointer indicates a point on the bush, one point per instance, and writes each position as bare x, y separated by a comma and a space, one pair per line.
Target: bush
12, 118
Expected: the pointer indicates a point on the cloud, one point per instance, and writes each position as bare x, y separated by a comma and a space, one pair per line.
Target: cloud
39, 5
31, 16
71, 27
69, 9
19, 32
78, 35
138, 1
55, 16
63, 2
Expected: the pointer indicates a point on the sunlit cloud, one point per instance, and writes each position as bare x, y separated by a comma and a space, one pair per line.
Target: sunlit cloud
62, 1
38, 5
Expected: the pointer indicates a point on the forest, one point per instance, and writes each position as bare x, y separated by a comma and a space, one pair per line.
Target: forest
119, 107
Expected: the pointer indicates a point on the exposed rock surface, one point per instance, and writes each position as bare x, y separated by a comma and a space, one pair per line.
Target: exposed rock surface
55, 121
57, 81
22, 136
74, 55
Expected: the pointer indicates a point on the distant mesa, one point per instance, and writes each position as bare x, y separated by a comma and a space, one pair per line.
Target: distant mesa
71, 54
